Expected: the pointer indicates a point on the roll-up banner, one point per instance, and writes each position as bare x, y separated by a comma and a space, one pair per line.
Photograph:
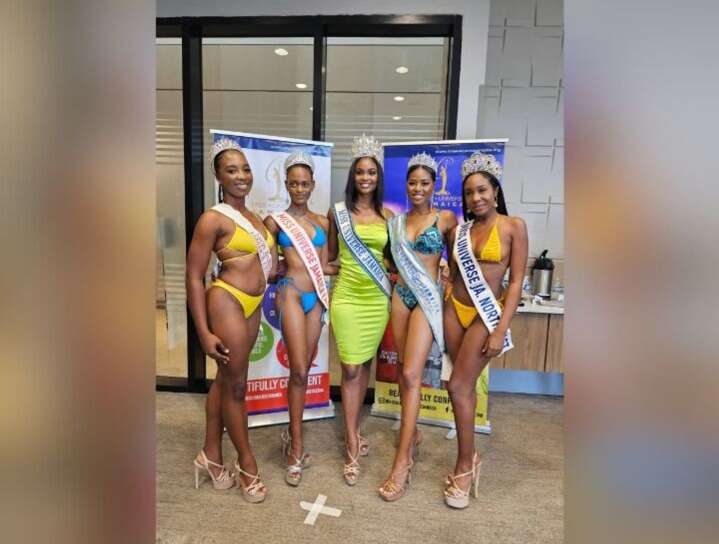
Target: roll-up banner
268, 371
435, 405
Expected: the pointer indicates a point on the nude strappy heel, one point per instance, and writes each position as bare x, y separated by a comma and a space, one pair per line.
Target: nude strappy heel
223, 481
255, 491
351, 469
455, 496
391, 490
363, 445
293, 475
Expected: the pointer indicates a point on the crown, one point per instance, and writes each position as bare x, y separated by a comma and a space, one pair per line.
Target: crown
422, 159
481, 162
299, 157
366, 146
223, 144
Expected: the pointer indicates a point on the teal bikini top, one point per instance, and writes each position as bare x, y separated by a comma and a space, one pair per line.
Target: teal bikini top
430, 241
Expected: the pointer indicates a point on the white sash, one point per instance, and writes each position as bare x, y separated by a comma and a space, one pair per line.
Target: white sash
417, 278
307, 252
477, 287
263, 252
359, 250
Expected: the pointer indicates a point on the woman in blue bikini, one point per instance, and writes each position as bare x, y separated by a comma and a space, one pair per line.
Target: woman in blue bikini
302, 237
418, 238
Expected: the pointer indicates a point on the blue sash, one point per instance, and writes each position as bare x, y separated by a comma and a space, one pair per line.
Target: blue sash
417, 278
477, 287
359, 250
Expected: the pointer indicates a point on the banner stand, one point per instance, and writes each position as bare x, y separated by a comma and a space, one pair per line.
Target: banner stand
283, 417
483, 429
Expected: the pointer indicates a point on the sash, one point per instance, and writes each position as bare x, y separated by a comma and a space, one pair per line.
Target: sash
307, 252
417, 278
263, 252
477, 287
359, 250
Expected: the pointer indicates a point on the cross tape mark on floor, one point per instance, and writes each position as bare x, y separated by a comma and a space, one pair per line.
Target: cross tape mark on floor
318, 507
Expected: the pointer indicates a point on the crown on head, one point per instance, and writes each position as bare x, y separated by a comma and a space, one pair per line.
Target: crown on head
422, 159
481, 162
299, 157
223, 144
366, 146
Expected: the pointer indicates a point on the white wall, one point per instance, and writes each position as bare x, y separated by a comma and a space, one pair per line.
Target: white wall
523, 101
475, 27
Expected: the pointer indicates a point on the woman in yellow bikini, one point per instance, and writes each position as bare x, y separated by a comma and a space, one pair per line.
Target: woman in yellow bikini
360, 301
302, 296
486, 245
226, 316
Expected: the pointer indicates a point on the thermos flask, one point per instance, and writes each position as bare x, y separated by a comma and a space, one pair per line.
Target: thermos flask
542, 275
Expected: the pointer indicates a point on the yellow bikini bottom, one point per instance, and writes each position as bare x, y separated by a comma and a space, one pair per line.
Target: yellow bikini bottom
249, 303
466, 314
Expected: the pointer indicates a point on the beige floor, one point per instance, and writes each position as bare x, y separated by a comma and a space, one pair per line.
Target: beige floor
520, 497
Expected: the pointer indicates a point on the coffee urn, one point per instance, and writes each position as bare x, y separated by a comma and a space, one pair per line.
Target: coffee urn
542, 276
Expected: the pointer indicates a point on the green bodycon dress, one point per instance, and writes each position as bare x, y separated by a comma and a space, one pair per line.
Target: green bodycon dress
359, 311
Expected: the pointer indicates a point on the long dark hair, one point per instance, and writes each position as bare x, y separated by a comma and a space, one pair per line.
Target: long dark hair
501, 204
351, 190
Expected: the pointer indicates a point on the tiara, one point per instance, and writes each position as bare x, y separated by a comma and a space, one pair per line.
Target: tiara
366, 146
422, 159
299, 157
223, 144
481, 162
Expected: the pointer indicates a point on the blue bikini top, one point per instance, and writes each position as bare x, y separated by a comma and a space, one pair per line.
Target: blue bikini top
318, 240
430, 241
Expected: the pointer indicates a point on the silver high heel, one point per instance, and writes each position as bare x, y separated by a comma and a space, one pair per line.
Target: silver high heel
455, 496
223, 481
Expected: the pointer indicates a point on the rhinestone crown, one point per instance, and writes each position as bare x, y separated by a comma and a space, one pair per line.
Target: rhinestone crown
299, 157
223, 144
481, 162
366, 146
422, 159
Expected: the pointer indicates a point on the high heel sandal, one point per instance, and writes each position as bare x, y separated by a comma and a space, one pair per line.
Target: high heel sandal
455, 496
391, 490
255, 491
223, 481
351, 469
293, 475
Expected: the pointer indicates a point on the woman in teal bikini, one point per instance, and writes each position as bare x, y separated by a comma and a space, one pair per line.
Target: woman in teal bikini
300, 233
418, 239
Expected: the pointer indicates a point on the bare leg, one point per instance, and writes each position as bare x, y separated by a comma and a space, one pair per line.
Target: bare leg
213, 424
355, 379
468, 365
238, 334
415, 356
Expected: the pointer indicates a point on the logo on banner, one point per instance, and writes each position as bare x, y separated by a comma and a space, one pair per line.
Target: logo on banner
275, 176
284, 358
263, 344
268, 306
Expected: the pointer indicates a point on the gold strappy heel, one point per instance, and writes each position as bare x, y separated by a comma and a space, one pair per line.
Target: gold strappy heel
351, 469
255, 491
455, 496
363, 445
294, 470
390, 490
223, 481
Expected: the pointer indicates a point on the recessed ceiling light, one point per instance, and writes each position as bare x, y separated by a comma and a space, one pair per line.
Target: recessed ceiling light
401, 69
311, 108
396, 117
399, 98
281, 52
301, 85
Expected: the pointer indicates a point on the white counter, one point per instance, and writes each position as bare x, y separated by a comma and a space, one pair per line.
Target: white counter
548, 307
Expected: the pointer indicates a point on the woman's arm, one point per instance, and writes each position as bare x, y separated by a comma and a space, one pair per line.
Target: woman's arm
277, 266
327, 268
332, 243
206, 233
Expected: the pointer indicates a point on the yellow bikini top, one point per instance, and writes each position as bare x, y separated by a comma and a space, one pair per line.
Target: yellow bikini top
242, 241
492, 250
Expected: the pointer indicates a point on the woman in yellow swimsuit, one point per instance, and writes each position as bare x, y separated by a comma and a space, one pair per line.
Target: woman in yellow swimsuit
226, 316
498, 242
